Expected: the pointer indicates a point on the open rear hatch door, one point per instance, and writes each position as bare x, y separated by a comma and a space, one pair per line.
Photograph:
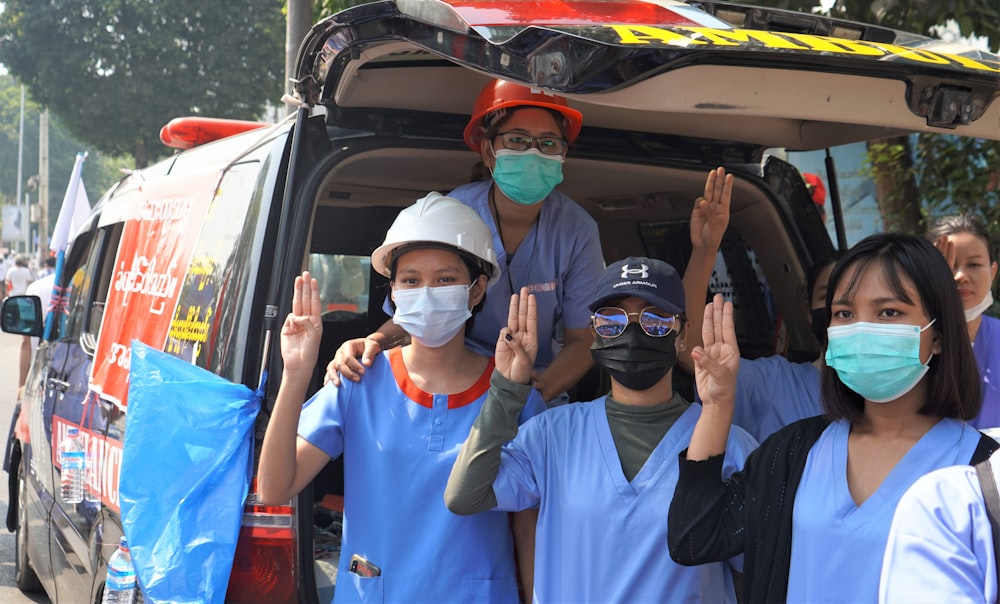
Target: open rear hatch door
727, 72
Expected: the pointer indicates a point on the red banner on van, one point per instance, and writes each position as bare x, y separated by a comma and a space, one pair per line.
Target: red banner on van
156, 245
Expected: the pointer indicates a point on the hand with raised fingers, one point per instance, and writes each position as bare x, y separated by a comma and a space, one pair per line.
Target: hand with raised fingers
717, 361
303, 327
947, 248
517, 345
710, 214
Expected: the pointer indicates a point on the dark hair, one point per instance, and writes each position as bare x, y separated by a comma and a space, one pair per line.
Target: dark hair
962, 223
818, 268
474, 265
953, 378
479, 170
50, 262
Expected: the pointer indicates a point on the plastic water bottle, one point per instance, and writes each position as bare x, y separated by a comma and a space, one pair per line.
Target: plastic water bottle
119, 588
71, 461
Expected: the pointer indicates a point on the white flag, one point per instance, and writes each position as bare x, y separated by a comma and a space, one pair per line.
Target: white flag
74, 211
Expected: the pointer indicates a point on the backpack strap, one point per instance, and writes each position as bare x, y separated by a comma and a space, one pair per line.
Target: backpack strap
991, 497
984, 449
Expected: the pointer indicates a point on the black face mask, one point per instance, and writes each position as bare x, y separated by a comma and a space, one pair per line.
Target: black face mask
820, 321
635, 360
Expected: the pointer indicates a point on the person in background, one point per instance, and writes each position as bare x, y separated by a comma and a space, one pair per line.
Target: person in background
5, 266
813, 504
969, 251
600, 471
940, 546
48, 267
18, 277
400, 428
544, 240
771, 392
41, 287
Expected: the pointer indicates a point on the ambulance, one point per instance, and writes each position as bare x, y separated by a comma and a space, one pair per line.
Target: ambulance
196, 255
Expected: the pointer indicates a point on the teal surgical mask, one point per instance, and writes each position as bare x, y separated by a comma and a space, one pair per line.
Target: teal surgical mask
879, 362
527, 177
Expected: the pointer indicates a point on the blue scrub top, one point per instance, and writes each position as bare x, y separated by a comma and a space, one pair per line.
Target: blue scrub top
772, 392
987, 351
601, 538
837, 546
560, 261
399, 444
940, 546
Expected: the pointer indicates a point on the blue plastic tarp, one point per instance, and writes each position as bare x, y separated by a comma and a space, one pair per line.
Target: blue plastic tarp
185, 475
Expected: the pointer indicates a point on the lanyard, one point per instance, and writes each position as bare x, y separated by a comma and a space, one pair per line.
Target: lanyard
510, 256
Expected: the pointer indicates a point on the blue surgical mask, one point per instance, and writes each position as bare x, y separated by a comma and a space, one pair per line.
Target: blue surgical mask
527, 177
432, 315
879, 362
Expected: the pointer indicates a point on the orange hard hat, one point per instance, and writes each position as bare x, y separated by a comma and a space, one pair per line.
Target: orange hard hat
500, 94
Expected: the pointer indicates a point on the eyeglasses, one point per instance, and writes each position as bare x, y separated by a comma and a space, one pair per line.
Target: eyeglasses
518, 141
610, 322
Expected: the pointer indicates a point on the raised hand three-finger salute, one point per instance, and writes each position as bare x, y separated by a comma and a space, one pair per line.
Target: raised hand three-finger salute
303, 327
709, 221
517, 345
716, 364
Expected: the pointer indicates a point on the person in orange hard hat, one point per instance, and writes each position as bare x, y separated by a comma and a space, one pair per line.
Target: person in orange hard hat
544, 240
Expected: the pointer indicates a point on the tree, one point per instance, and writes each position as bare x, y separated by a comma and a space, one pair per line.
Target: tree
909, 191
99, 173
115, 72
325, 8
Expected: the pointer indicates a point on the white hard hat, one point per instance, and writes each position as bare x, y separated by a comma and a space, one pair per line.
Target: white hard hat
436, 218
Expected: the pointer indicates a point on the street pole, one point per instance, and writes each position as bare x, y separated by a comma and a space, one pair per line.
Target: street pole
297, 26
20, 165
43, 183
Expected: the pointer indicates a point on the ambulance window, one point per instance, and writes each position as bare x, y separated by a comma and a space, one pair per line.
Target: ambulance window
88, 286
99, 300
77, 279
208, 327
343, 281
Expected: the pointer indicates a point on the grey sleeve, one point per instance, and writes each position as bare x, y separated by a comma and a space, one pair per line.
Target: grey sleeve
470, 486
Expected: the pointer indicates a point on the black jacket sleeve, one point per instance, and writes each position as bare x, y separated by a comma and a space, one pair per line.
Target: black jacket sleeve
706, 519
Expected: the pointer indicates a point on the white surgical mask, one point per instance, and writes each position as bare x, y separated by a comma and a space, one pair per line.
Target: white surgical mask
432, 315
971, 314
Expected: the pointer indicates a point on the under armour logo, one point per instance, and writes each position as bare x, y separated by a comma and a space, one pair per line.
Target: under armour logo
641, 273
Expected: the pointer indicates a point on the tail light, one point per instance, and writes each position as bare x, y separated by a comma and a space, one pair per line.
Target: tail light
264, 570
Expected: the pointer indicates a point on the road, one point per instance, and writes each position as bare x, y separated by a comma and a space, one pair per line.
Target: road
9, 593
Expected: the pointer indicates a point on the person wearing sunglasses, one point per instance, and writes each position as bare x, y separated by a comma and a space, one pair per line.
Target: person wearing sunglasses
600, 472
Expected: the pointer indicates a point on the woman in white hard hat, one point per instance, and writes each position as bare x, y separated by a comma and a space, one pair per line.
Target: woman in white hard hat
544, 240
400, 428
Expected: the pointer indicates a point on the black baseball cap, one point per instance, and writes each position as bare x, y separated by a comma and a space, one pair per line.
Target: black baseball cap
650, 279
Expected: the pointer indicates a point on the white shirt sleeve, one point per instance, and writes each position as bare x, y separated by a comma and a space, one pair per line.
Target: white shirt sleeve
940, 546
